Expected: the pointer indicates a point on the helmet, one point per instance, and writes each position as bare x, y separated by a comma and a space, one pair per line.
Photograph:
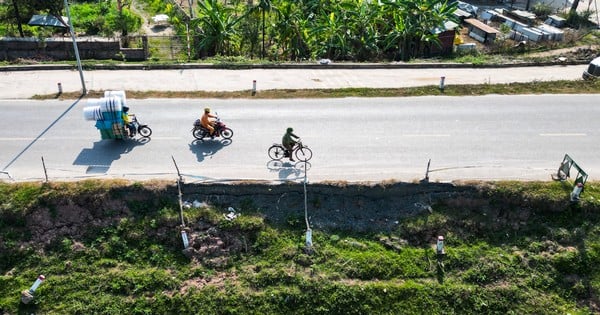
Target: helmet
125, 109
290, 129
207, 110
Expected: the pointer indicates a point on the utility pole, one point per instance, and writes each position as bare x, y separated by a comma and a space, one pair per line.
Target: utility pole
75, 48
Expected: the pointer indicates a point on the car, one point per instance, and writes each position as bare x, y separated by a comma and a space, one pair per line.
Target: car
593, 70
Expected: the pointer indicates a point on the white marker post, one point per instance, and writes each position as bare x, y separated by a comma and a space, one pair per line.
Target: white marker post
186, 242
37, 283
442, 84
439, 248
309, 242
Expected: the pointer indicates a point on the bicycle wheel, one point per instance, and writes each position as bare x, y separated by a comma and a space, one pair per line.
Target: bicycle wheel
226, 133
276, 152
145, 131
303, 153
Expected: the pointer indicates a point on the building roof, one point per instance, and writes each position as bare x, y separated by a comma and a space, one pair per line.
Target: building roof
482, 26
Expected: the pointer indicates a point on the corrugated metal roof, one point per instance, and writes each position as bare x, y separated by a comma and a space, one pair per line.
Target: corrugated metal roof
480, 25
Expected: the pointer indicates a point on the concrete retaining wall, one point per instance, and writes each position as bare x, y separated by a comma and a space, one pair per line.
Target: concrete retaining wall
62, 49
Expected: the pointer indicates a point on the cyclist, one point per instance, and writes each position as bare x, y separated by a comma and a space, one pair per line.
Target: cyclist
207, 122
288, 142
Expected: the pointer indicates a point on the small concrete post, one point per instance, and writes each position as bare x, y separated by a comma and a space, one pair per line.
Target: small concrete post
576, 192
37, 283
27, 295
309, 242
442, 84
253, 87
60, 88
184, 237
439, 248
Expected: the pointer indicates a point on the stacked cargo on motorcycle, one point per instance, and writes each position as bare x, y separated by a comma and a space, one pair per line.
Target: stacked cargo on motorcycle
107, 112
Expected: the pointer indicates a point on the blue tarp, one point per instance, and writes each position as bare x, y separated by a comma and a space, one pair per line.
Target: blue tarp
48, 20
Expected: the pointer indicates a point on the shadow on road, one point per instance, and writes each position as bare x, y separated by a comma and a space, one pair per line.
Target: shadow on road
104, 152
207, 148
41, 134
287, 170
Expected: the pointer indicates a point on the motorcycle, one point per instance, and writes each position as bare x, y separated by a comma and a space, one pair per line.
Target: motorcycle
221, 130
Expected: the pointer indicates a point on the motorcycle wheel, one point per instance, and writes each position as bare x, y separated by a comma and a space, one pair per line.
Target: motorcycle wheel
145, 131
276, 152
226, 133
303, 154
199, 134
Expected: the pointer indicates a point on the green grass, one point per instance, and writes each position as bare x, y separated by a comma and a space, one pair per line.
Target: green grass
539, 87
511, 248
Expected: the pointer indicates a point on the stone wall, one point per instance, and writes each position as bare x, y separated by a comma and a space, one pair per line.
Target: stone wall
57, 49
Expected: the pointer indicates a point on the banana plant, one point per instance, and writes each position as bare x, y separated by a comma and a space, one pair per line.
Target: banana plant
218, 28
414, 22
291, 34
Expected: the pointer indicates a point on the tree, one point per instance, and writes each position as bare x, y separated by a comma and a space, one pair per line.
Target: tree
414, 22
291, 28
365, 21
24, 9
123, 20
264, 6
18, 18
217, 25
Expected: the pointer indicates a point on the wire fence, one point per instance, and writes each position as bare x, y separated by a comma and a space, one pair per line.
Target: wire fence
174, 48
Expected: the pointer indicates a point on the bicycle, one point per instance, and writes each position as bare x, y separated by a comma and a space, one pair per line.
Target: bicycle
300, 151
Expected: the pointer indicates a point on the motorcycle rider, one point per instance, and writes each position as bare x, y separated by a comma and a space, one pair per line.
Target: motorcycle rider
288, 142
127, 121
207, 122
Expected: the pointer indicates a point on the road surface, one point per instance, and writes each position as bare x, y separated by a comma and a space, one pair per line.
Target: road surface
353, 139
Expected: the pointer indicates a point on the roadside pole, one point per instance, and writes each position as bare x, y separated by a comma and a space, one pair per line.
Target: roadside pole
75, 48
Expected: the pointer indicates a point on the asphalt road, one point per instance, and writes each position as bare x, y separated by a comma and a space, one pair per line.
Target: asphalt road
25, 84
353, 139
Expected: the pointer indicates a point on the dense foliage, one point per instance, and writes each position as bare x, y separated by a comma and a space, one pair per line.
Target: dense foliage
274, 30
89, 17
514, 248
279, 29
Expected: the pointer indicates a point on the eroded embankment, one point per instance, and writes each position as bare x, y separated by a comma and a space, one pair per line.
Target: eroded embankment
55, 214
347, 207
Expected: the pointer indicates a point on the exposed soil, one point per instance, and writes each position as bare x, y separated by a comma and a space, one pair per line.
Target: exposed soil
358, 208
330, 207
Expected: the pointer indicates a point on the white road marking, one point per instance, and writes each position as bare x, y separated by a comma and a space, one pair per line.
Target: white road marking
425, 136
563, 134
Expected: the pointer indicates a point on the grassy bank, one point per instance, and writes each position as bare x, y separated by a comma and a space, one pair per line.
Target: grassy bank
539, 87
111, 247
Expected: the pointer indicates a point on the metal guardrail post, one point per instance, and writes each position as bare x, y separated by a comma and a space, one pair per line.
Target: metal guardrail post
564, 172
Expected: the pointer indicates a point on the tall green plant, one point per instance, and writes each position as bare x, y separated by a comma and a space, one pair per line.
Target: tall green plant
331, 31
291, 31
217, 25
264, 6
415, 22
366, 21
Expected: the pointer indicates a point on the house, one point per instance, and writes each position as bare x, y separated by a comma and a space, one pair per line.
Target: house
481, 32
